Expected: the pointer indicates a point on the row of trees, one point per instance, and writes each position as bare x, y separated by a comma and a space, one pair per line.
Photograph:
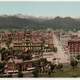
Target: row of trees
52, 67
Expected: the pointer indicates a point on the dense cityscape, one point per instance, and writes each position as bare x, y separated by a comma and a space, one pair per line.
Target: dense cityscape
39, 39
39, 53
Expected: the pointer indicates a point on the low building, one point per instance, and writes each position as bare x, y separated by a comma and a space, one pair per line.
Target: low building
12, 66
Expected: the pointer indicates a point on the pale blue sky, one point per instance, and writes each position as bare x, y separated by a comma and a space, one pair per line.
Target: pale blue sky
41, 8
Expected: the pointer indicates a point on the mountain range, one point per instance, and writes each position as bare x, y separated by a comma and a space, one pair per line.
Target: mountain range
38, 23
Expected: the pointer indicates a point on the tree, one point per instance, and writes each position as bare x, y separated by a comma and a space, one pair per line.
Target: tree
78, 57
35, 72
44, 61
27, 55
3, 52
52, 67
8, 42
74, 64
2, 67
20, 74
9, 50
60, 66
55, 49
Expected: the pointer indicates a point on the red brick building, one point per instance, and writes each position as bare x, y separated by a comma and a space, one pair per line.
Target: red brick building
74, 47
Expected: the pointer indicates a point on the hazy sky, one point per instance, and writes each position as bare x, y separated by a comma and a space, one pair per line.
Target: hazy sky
41, 8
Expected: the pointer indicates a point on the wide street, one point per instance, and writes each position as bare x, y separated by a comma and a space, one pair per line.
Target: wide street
63, 58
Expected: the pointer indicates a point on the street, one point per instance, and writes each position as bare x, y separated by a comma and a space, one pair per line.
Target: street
63, 58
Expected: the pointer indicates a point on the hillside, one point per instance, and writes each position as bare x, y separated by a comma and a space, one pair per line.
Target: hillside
15, 22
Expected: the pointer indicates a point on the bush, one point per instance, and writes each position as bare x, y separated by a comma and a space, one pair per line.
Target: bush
35, 72
73, 63
20, 74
